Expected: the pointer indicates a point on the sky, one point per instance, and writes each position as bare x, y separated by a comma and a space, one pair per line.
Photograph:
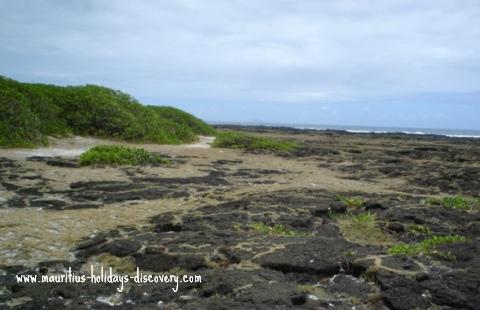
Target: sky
402, 63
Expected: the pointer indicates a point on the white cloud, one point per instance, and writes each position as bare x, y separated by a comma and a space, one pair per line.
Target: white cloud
266, 50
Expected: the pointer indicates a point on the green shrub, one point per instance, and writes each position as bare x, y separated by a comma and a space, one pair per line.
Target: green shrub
238, 140
426, 247
19, 126
30, 112
119, 155
185, 119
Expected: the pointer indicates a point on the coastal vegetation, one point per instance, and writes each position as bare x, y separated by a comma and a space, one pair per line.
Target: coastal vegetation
455, 202
416, 229
31, 112
119, 155
276, 229
362, 228
352, 202
427, 247
256, 219
236, 140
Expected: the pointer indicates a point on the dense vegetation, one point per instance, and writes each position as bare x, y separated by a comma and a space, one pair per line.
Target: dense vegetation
31, 112
119, 155
238, 140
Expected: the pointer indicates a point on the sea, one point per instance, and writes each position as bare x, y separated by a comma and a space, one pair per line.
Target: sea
454, 133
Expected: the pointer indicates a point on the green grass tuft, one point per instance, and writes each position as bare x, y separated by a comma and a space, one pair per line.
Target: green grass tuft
277, 229
455, 202
427, 247
415, 229
364, 219
236, 140
362, 228
352, 202
361, 219
31, 112
119, 155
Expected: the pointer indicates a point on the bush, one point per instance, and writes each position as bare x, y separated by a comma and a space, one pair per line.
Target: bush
34, 111
119, 155
19, 126
238, 140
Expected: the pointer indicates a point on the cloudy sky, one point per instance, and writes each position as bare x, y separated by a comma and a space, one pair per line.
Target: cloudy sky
346, 62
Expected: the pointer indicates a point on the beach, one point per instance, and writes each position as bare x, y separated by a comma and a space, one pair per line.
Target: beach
316, 228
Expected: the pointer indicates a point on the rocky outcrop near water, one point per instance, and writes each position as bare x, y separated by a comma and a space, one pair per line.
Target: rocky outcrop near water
345, 222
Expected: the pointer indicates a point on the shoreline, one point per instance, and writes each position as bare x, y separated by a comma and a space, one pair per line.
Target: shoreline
340, 203
322, 129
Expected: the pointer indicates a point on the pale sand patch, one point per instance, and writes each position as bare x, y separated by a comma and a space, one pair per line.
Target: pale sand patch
29, 235
74, 146
65, 147
204, 142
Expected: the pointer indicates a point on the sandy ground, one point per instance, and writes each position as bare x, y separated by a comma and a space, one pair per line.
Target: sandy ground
207, 206
74, 146
29, 235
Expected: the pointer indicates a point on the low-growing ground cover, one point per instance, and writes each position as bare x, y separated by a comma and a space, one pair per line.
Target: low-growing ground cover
426, 247
238, 140
119, 155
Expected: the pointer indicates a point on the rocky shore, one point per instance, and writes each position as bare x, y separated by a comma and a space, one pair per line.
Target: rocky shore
309, 229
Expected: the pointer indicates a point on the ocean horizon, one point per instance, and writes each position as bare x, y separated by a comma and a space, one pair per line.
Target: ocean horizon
453, 133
